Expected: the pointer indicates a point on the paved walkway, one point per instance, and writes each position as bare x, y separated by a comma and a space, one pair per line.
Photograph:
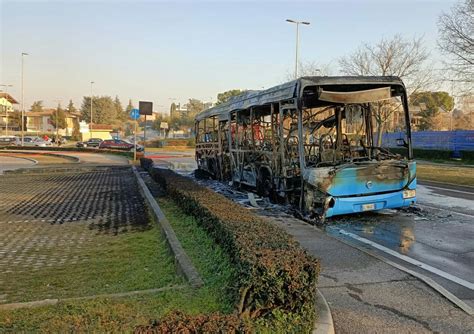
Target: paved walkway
85, 158
12, 163
366, 295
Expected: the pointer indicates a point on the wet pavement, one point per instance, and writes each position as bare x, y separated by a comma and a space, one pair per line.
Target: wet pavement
440, 242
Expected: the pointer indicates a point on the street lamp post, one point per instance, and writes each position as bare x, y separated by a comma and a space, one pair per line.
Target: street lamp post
6, 110
23, 54
90, 125
297, 41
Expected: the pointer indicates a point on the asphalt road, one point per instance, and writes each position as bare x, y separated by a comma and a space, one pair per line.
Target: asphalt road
435, 239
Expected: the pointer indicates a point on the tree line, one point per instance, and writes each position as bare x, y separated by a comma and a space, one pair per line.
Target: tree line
395, 56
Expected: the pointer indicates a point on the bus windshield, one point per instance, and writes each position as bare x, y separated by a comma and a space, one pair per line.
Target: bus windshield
348, 133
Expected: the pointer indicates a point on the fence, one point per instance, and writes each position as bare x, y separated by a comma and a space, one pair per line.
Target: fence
462, 140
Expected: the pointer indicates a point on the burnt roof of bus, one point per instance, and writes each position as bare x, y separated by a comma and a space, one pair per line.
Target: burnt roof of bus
294, 89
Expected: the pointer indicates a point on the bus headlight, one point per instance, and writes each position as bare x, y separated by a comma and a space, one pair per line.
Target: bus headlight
409, 193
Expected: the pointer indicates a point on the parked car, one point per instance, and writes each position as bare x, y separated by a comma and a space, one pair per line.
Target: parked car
119, 144
92, 142
35, 141
6, 141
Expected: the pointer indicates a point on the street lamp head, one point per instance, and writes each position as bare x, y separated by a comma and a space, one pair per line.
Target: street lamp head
24, 54
307, 23
92, 82
291, 21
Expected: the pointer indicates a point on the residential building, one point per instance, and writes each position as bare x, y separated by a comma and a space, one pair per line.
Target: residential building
102, 131
466, 104
41, 122
6, 110
181, 110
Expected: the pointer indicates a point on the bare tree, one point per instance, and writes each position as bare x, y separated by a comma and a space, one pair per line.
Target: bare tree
456, 39
310, 68
390, 57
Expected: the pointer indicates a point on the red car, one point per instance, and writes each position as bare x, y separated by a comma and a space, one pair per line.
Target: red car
119, 144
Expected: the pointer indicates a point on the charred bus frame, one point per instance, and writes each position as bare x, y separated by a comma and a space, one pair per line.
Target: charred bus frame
293, 142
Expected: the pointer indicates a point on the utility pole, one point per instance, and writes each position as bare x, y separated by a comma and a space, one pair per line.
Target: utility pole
297, 41
90, 125
23, 54
6, 109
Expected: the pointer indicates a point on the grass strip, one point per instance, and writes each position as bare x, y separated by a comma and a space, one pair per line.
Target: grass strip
125, 313
446, 174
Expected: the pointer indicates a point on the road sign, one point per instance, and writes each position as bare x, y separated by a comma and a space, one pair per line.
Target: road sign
135, 114
146, 108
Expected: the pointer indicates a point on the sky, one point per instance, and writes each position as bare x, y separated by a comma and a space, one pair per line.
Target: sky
170, 51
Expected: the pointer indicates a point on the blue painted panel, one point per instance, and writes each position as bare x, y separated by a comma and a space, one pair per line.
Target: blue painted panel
361, 180
347, 205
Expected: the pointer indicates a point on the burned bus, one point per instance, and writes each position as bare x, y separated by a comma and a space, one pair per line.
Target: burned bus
315, 142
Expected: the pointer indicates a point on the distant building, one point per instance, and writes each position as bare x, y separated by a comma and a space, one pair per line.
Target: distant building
415, 116
102, 131
6, 108
41, 122
181, 110
442, 122
466, 104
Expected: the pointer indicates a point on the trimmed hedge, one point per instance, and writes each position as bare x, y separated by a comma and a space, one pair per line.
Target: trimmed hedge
178, 322
275, 275
178, 142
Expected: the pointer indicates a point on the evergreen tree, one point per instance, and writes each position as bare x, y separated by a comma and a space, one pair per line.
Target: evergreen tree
103, 110
129, 107
225, 96
59, 118
173, 109
37, 106
70, 108
76, 134
121, 115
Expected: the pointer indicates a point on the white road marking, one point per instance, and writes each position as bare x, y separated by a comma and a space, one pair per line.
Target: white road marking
405, 258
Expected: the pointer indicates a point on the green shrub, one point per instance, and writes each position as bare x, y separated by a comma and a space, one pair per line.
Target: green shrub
179, 142
275, 274
178, 322
467, 156
436, 155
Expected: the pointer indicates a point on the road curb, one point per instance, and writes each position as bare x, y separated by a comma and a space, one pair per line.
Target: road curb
35, 162
324, 323
68, 157
184, 263
49, 302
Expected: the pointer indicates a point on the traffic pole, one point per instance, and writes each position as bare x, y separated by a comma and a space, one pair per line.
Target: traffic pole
144, 136
135, 143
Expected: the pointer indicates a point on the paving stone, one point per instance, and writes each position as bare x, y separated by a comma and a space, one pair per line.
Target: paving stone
38, 213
